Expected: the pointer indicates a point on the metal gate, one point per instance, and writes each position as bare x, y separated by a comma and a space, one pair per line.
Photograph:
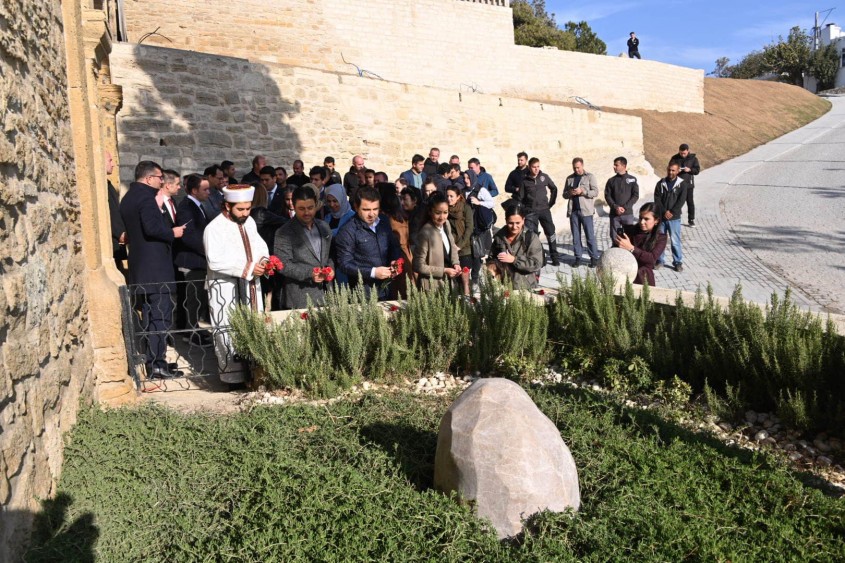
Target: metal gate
181, 329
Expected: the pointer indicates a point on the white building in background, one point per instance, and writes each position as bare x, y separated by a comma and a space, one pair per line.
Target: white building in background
831, 34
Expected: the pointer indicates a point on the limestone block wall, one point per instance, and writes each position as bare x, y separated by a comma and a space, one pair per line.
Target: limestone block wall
45, 357
450, 44
188, 110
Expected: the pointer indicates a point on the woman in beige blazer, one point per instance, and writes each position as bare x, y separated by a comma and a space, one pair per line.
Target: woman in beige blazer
436, 254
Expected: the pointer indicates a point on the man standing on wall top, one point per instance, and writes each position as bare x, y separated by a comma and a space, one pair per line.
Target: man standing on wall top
634, 47
689, 169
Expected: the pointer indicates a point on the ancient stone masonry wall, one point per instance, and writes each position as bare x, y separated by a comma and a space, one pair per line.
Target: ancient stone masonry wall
450, 44
188, 110
46, 361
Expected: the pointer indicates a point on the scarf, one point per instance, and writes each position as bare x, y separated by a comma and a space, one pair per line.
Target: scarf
456, 217
338, 192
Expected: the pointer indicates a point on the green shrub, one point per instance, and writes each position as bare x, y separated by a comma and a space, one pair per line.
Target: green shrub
355, 333
434, 325
628, 376
286, 352
507, 323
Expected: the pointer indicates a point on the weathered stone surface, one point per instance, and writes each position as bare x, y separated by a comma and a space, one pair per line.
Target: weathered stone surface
498, 451
620, 263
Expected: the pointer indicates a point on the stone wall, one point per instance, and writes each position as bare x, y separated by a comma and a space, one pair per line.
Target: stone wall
188, 110
450, 44
46, 359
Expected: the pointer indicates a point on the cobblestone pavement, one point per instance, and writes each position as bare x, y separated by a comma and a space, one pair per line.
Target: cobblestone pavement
771, 219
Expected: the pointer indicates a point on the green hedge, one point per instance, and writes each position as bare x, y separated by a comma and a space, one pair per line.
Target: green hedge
773, 359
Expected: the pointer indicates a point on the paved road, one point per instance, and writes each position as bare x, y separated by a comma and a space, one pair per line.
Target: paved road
772, 218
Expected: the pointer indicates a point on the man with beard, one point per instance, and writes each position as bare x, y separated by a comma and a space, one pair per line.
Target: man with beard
235, 251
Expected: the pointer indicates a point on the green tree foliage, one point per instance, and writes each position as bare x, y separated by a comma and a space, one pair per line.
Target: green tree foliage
789, 58
586, 40
751, 66
722, 69
823, 65
534, 27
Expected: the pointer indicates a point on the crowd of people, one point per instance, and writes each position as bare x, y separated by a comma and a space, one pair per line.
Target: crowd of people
288, 237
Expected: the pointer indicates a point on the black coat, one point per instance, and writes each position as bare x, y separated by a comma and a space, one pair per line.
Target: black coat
148, 239
537, 193
691, 162
190, 252
514, 181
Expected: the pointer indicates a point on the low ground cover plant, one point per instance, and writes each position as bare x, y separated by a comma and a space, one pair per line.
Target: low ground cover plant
351, 481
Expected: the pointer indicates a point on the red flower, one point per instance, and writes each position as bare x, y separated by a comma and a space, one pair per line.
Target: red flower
542, 292
328, 272
317, 271
273, 266
398, 266
304, 316
394, 308
507, 294
466, 269
473, 300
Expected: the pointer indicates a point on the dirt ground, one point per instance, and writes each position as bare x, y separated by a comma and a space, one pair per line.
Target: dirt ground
738, 116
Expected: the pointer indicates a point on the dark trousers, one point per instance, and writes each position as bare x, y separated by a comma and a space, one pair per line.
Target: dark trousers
634, 55
193, 299
156, 319
690, 203
543, 218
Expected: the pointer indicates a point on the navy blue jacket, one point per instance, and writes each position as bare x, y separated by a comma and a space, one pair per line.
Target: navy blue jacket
190, 252
408, 175
148, 239
359, 249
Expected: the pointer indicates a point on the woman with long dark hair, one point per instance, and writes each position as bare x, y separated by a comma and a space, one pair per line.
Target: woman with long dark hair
516, 254
645, 241
436, 254
460, 219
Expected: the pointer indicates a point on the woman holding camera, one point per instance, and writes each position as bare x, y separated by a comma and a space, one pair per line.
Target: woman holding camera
645, 241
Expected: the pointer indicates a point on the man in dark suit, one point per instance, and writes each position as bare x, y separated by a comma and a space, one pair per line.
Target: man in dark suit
303, 244
151, 272
214, 203
190, 258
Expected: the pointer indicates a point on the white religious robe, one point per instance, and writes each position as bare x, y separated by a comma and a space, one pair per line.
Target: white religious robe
232, 251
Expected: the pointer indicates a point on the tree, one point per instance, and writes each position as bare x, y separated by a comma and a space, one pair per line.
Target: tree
789, 58
823, 65
722, 69
534, 27
751, 65
586, 40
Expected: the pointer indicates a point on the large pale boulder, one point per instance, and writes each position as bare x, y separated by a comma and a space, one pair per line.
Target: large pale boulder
500, 453
619, 263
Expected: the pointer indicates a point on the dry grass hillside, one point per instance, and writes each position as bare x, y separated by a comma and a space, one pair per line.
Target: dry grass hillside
738, 116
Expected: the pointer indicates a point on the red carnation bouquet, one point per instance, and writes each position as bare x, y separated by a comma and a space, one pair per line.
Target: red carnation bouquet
397, 266
273, 266
327, 272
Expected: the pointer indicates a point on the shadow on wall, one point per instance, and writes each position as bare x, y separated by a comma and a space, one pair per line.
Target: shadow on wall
189, 110
56, 539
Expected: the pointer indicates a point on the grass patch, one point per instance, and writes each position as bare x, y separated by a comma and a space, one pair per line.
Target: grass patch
351, 482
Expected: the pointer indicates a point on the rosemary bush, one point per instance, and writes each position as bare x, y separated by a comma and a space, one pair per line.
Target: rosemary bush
435, 327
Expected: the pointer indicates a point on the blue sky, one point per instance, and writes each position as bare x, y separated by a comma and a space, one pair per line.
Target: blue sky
694, 33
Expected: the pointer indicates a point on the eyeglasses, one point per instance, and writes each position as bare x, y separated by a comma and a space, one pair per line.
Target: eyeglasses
161, 177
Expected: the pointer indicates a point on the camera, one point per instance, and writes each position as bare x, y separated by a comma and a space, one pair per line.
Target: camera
620, 231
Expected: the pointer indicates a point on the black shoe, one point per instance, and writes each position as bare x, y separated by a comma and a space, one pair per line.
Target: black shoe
658, 265
577, 263
692, 223
593, 262
172, 366
555, 261
162, 373
679, 268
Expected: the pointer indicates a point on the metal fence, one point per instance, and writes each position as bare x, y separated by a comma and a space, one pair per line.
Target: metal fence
181, 329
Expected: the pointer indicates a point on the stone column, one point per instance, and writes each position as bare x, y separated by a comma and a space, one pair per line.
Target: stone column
88, 44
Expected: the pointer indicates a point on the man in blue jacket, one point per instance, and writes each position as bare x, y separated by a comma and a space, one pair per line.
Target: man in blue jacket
366, 245
415, 176
151, 273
